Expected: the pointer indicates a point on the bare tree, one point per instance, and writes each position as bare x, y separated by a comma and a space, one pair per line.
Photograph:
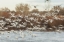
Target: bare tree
4, 12
35, 11
5, 9
22, 8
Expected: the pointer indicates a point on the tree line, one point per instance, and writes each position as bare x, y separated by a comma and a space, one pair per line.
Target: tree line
24, 9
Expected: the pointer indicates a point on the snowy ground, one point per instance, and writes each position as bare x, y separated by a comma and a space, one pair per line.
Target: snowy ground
31, 36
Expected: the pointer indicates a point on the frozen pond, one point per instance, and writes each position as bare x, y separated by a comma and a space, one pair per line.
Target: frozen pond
31, 36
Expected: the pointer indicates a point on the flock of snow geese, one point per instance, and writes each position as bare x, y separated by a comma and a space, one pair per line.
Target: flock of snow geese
30, 22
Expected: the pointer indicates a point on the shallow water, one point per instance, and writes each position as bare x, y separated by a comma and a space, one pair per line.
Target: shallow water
31, 36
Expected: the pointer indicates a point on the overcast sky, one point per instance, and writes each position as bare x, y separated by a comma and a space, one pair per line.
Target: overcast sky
40, 3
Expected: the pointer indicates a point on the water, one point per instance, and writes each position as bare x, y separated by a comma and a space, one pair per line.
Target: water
31, 36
